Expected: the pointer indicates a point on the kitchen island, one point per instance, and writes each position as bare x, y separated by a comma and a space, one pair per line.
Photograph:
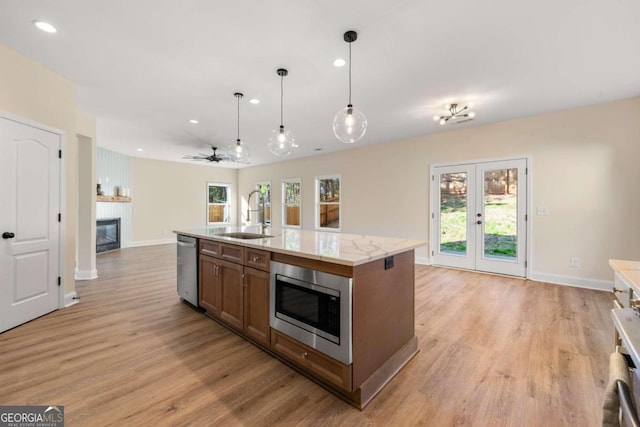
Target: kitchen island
248, 282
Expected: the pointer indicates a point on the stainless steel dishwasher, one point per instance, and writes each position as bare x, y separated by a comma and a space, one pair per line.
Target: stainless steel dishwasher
188, 268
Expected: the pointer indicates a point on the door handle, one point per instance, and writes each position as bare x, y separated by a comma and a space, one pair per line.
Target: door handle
8, 235
478, 222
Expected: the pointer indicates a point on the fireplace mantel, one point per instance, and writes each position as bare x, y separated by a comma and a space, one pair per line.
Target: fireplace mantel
121, 199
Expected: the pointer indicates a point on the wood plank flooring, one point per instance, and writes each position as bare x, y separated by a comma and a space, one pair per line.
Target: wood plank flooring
495, 351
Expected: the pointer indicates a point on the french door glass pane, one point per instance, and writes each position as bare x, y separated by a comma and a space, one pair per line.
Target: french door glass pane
501, 213
453, 213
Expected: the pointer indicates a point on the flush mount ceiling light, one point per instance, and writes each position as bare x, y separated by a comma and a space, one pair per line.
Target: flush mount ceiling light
455, 113
282, 141
45, 26
349, 124
240, 152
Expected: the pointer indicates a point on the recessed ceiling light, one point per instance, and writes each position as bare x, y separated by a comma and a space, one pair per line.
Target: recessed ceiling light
45, 26
339, 62
140, 150
194, 121
254, 101
317, 149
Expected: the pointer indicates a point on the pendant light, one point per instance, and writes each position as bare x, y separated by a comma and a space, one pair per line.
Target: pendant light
282, 141
240, 153
349, 124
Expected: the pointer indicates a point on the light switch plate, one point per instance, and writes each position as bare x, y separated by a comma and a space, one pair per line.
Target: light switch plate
542, 211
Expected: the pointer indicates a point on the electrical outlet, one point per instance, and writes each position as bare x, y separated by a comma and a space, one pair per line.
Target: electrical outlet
542, 211
575, 262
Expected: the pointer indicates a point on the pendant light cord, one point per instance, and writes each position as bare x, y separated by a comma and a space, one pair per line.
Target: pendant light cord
281, 100
238, 97
349, 73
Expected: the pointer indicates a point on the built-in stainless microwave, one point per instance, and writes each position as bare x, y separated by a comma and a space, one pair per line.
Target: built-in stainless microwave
313, 307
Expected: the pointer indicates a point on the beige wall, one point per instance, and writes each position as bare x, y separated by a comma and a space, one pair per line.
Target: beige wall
168, 195
584, 170
31, 91
86, 194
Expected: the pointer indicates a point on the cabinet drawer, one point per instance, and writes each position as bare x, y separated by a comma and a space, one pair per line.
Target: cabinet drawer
208, 247
328, 369
233, 253
257, 259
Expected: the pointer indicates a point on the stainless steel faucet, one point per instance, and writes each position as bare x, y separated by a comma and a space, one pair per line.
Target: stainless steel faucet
264, 218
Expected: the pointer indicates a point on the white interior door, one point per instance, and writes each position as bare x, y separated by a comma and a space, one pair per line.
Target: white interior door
29, 222
479, 216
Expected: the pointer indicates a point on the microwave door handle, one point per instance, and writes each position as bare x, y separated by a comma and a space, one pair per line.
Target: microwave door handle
306, 285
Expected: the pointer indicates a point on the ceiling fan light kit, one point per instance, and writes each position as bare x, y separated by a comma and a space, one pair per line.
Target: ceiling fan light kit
215, 157
349, 124
455, 113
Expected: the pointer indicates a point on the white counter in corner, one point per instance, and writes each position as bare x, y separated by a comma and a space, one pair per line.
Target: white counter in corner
338, 248
629, 272
627, 320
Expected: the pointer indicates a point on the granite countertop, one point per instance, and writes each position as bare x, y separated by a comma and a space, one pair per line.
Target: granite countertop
338, 248
629, 271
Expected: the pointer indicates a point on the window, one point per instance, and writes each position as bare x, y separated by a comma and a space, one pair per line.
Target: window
265, 189
328, 202
218, 203
291, 203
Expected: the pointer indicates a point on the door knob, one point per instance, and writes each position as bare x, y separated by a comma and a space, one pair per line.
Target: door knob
478, 222
8, 235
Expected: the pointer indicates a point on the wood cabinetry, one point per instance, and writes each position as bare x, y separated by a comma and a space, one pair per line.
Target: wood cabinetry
210, 294
232, 293
330, 370
235, 289
232, 290
256, 304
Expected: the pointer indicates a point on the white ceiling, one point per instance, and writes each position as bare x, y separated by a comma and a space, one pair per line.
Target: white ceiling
143, 68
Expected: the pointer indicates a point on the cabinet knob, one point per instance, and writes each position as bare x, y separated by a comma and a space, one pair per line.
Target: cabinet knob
256, 259
305, 354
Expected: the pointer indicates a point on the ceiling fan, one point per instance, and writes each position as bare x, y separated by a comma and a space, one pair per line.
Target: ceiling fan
211, 158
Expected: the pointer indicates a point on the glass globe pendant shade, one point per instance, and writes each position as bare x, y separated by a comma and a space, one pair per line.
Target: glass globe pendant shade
240, 153
281, 142
349, 125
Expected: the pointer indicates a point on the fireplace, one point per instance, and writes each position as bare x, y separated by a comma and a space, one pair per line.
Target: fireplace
107, 234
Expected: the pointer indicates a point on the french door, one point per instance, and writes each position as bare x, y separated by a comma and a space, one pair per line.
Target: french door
478, 215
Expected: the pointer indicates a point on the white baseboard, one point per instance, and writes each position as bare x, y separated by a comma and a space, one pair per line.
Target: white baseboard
578, 282
70, 299
420, 260
151, 242
86, 274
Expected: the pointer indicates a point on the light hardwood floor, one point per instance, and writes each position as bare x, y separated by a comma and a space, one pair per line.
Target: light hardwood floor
494, 351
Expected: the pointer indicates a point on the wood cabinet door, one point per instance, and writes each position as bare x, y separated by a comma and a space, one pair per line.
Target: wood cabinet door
232, 300
256, 305
210, 291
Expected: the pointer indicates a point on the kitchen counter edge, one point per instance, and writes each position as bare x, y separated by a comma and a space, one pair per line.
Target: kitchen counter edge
400, 245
